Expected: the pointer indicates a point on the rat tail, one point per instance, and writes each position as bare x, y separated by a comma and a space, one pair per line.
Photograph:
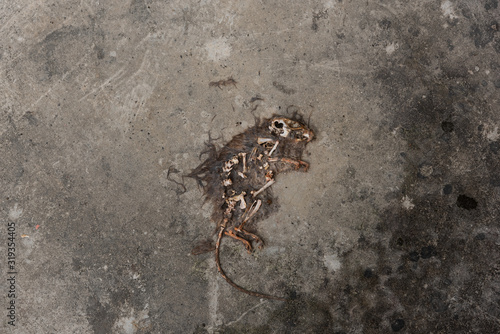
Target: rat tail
223, 274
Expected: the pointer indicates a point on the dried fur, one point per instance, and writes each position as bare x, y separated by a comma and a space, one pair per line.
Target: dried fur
221, 83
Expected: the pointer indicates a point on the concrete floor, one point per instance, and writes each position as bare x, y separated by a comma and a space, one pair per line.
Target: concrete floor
395, 228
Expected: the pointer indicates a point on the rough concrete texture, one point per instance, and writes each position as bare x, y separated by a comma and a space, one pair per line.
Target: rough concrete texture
394, 228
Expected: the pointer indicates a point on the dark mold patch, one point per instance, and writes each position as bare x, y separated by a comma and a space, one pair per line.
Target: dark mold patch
491, 4
483, 34
430, 258
304, 315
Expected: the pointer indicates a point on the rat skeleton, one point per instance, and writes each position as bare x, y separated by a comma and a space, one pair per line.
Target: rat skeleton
237, 179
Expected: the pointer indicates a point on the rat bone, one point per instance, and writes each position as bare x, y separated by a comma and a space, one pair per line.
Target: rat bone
239, 198
267, 185
261, 140
274, 148
244, 156
253, 210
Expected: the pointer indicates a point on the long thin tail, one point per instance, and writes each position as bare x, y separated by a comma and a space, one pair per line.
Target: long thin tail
223, 274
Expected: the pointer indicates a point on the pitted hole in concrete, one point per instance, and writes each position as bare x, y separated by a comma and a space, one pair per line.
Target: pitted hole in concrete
447, 126
397, 325
466, 202
447, 189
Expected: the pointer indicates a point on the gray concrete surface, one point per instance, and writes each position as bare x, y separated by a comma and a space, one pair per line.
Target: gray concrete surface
394, 228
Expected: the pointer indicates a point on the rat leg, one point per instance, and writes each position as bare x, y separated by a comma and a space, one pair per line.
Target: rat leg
239, 229
228, 214
267, 185
231, 232
244, 236
253, 210
238, 233
252, 236
295, 164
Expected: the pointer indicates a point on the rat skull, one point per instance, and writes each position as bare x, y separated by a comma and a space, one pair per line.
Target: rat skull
288, 128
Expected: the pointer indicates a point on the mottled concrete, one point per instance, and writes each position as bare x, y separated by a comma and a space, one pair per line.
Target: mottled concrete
394, 228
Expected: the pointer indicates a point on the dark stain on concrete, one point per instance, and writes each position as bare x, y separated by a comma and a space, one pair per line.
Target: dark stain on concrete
438, 270
100, 317
140, 11
483, 34
60, 50
284, 89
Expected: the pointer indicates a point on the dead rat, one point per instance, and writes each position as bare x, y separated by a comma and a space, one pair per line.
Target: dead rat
238, 177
